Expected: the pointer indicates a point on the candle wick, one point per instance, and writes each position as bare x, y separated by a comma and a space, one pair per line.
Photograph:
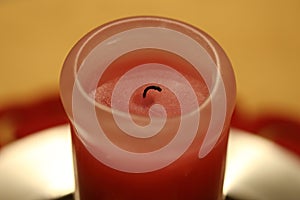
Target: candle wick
151, 87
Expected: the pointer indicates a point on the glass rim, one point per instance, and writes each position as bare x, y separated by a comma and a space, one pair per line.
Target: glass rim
88, 37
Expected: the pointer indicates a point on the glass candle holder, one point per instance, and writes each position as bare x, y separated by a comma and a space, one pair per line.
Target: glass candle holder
150, 101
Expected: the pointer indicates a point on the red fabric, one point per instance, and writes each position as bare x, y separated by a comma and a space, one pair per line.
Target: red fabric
283, 130
37, 116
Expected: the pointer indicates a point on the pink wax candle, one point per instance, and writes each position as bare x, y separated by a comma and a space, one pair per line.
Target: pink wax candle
150, 101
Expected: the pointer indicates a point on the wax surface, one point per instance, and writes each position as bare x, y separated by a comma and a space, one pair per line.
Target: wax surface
140, 106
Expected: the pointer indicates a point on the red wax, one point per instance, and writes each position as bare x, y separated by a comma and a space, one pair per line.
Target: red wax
188, 178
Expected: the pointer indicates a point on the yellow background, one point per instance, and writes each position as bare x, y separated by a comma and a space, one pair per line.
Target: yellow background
260, 37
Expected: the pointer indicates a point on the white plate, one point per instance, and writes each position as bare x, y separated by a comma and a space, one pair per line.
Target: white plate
40, 167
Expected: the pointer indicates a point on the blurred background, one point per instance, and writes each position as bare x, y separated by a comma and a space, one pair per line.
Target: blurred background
260, 37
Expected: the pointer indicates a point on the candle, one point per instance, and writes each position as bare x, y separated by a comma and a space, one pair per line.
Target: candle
150, 104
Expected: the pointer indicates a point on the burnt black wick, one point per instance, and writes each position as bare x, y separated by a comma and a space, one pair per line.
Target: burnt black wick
151, 87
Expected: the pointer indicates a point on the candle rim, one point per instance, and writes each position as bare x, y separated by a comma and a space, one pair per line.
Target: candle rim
78, 48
